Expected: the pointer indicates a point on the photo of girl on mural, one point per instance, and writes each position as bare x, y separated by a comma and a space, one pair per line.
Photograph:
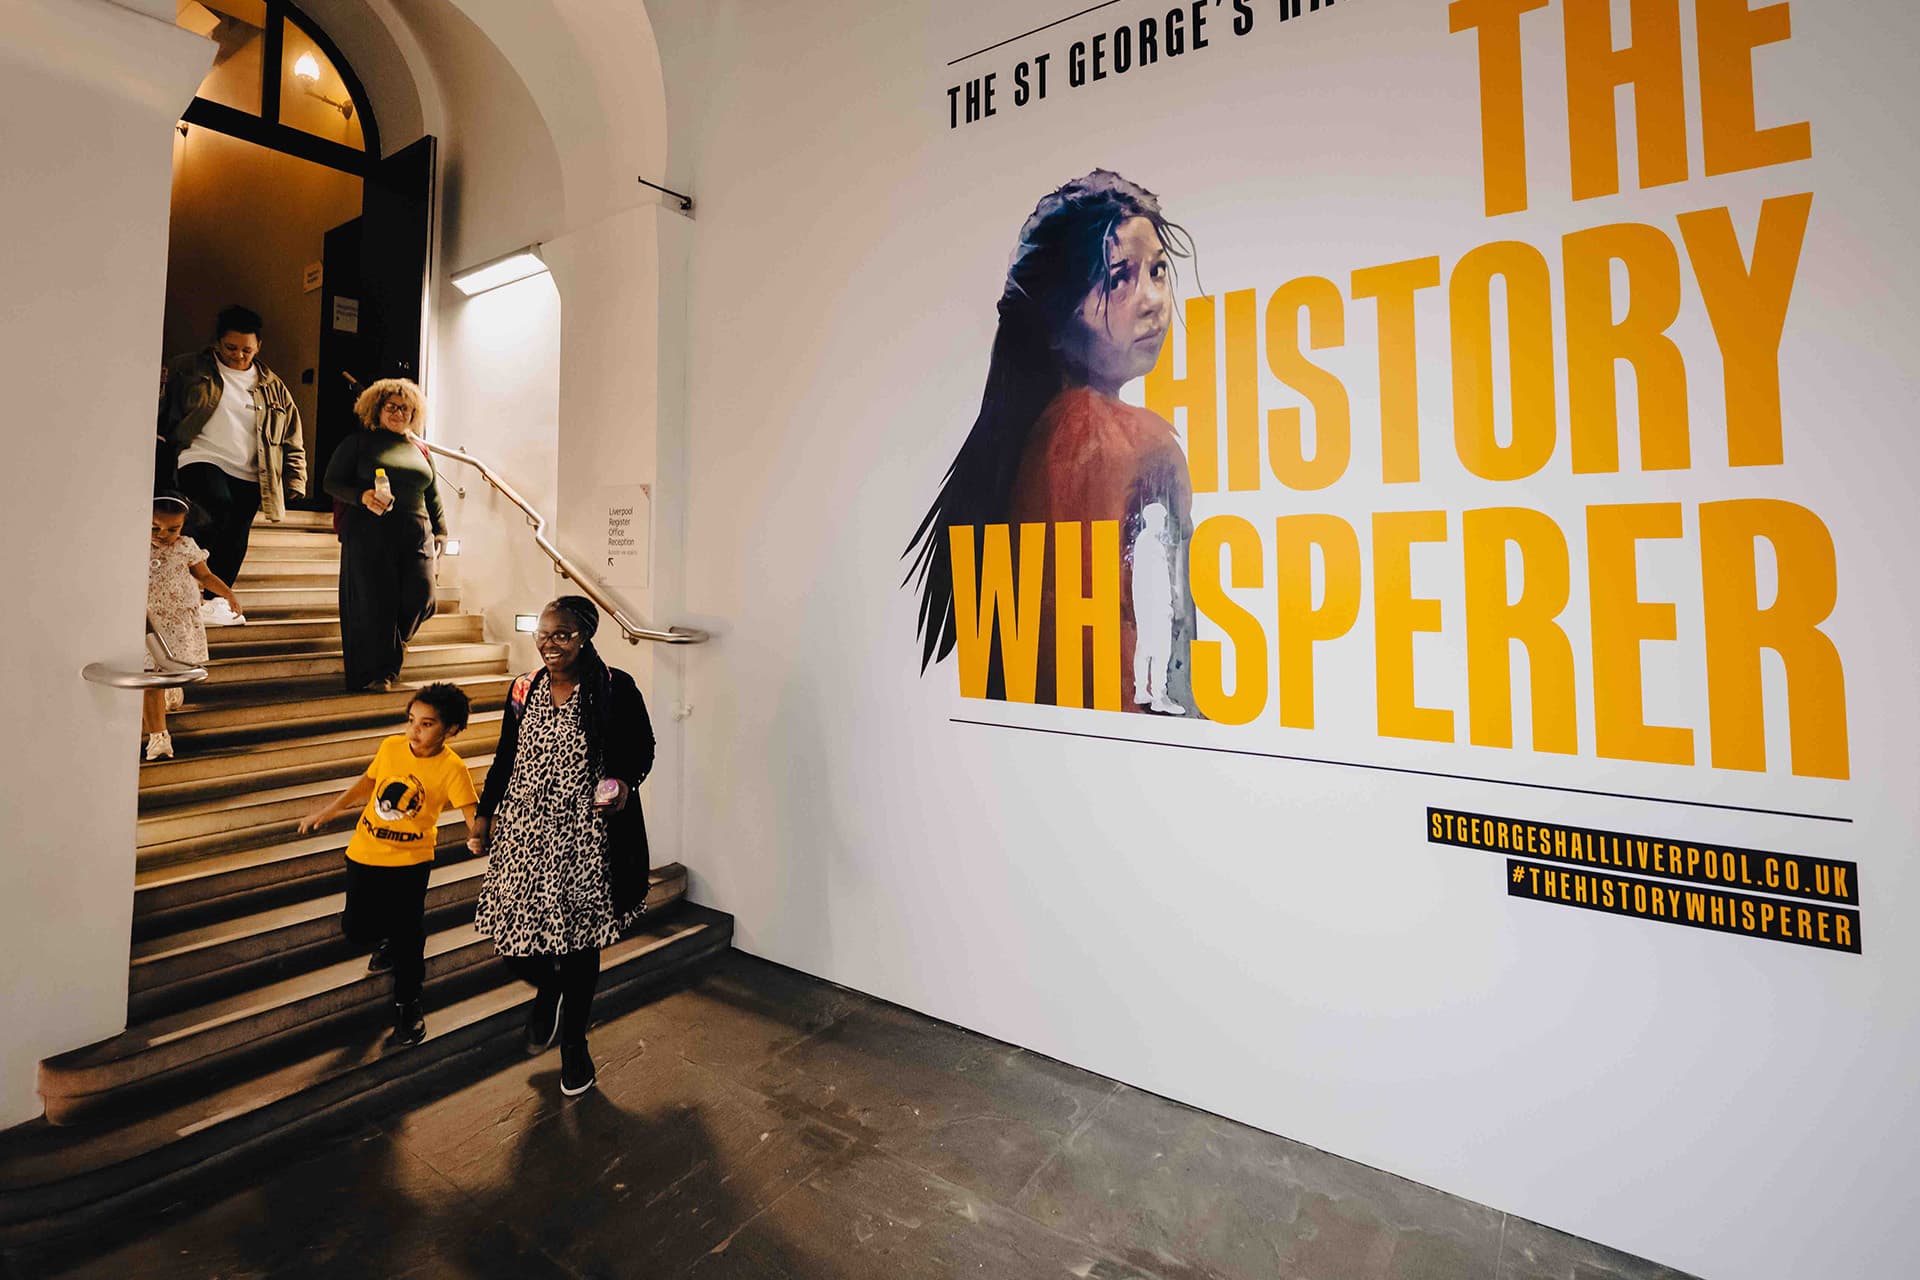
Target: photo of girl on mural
1085, 310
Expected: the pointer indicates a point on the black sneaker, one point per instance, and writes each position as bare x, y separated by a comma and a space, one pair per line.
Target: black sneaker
576, 1069
543, 1021
409, 1025
381, 961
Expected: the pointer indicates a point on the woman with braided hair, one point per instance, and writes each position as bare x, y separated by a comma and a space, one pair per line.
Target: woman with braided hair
561, 827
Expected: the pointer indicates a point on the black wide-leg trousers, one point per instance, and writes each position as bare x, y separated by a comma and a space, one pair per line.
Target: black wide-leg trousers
386, 590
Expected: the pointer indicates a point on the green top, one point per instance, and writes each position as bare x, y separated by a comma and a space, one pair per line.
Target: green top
350, 473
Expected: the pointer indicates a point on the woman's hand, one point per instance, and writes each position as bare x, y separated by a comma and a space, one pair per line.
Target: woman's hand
611, 795
375, 503
477, 832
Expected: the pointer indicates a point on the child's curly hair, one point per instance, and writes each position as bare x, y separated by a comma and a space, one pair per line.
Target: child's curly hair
449, 701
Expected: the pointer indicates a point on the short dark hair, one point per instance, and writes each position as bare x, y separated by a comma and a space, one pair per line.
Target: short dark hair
237, 319
448, 700
170, 503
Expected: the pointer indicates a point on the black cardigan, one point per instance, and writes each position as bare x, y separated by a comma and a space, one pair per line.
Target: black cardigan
628, 752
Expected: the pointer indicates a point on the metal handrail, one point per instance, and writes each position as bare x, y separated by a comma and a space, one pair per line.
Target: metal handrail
633, 631
172, 672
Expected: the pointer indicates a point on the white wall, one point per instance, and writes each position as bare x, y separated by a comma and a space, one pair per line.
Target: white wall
496, 392
81, 296
1272, 940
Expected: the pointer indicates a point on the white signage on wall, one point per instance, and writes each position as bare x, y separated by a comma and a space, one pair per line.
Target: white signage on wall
623, 557
311, 276
346, 315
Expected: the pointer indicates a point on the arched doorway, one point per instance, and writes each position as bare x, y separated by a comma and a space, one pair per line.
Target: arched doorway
283, 202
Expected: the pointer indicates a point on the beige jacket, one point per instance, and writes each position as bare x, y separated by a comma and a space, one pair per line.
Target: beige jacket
190, 393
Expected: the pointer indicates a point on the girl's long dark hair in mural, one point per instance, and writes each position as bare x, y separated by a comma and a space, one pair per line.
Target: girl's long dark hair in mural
1062, 270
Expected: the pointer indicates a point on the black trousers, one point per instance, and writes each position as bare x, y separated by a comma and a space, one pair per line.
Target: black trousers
229, 506
390, 904
574, 975
386, 590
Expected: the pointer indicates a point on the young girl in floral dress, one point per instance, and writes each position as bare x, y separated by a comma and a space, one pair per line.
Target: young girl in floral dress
176, 572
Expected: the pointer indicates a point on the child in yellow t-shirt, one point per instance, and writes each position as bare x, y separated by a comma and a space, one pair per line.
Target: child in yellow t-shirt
414, 775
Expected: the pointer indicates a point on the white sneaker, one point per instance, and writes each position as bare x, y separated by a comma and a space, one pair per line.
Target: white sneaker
218, 613
159, 745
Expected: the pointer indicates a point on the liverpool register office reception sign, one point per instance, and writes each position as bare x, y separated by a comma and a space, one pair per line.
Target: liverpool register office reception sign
1409, 510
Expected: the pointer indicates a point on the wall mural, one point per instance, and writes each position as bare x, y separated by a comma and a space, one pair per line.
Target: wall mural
1167, 505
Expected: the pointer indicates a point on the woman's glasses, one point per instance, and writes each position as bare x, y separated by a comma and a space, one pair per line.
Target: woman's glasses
556, 637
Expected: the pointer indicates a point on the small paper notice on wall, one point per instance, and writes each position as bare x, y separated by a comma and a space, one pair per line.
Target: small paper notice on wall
346, 315
311, 276
623, 559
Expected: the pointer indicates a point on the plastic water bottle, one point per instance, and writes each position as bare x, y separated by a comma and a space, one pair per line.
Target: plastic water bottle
382, 488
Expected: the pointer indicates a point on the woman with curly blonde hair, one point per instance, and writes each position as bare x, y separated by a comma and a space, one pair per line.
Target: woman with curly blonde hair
390, 534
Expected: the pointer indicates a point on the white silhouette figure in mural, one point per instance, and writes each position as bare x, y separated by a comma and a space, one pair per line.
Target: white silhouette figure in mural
1153, 607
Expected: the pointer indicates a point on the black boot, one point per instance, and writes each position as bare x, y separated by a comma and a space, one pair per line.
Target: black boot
381, 961
576, 1068
409, 1024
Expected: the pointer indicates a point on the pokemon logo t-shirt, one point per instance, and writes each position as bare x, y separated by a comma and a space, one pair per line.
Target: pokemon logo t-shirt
397, 827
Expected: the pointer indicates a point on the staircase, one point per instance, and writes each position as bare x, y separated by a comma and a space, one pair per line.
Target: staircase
248, 1014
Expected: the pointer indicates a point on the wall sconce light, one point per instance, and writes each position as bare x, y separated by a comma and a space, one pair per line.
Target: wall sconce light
306, 67
527, 622
491, 274
452, 548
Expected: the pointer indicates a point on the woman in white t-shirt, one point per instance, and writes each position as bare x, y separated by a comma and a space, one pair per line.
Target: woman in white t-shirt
236, 435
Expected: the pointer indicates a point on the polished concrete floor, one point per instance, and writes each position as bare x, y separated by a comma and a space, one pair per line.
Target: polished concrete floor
761, 1125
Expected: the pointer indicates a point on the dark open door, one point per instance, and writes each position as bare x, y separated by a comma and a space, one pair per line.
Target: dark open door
342, 366
373, 308
396, 250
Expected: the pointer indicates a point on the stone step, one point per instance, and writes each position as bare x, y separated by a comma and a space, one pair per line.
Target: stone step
243, 713
243, 768
310, 521
291, 602
174, 896
423, 661
263, 571
270, 571
254, 817
192, 966
56, 1179
192, 1044
319, 635
268, 543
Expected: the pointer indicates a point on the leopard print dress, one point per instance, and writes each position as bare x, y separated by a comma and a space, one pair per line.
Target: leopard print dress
546, 891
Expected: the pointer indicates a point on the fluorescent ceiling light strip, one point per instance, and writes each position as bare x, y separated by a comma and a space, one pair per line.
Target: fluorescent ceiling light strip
491, 275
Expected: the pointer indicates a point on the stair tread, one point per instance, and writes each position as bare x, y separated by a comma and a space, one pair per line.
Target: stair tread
213, 864
294, 791
171, 1028
39, 1154
156, 773
153, 950
309, 690
257, 660
216, 634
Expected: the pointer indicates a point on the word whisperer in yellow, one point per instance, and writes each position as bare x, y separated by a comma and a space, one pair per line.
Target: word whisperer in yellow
995, 602
1835, 928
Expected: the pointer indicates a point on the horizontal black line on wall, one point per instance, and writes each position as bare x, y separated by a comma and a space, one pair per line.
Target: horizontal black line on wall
1391, 768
